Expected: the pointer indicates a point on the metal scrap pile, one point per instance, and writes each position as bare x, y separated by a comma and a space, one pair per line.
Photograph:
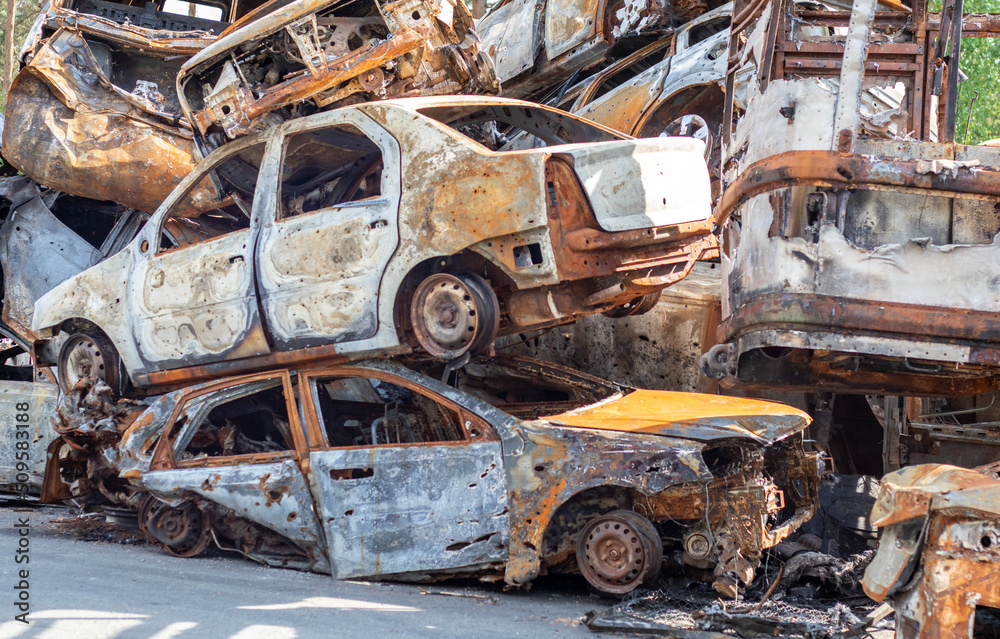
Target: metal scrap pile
300, 232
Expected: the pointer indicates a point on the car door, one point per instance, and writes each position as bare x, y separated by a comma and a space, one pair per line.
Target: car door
329, 232
235, 445
400, 485
192, 297
512, 35
26, 410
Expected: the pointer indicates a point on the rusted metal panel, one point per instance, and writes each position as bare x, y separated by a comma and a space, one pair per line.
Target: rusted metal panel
70, 128
837, 194
274, 495
412, 508
643, 188
942, 526
513, 54
30, 404
569, 23
27, 277
404, 48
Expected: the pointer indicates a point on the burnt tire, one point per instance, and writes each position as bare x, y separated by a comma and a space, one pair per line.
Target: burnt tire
183, 531
619, 552
638, 306
88, 355
454, 314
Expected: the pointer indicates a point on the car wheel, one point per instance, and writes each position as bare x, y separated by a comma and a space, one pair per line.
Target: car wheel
182, 532
454, 314
88, 355
618, 552
690, 126
638, 306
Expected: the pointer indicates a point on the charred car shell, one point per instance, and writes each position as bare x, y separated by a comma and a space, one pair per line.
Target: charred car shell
554, 234
938, 550
538, 43
93, 111
461, 486
831, 278
330, 54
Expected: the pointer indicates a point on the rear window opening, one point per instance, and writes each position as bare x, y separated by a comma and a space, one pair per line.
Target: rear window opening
524, 388
494, 126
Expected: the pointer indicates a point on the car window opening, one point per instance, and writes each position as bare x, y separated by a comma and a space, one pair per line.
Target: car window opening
520, 391
169, 15
708, 29
15, 363
247, 425
329, 167
494, 126
358, 411
238, 177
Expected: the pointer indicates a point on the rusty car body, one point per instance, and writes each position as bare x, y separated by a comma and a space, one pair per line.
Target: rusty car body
652, 90
858, 240
381, 226
519, 467
27, 400
93, 111
294, 58
537, 44
938, 551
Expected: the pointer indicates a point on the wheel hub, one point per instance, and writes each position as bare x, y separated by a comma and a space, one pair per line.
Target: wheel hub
615, 553
83, 358
454, 314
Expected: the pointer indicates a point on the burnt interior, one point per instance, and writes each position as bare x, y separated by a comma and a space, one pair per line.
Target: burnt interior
235, 181
359, 411
494, 125
168, 15
527, 389
248, 424
327, 167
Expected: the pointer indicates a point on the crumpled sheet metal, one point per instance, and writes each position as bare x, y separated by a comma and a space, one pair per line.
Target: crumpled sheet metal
939, 549
38, 252
41, 400
70, 128
431, 49
279, 486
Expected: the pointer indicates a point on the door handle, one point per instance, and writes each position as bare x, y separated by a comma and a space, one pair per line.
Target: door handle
236, 258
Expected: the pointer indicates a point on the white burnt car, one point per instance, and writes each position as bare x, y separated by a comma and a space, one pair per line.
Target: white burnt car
378, 227
378, 470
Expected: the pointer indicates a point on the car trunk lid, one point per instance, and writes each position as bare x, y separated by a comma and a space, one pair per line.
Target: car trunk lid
634, 184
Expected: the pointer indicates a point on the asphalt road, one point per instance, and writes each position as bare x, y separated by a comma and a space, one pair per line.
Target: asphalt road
79, 589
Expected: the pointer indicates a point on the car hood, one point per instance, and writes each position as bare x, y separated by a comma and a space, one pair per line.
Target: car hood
693, 416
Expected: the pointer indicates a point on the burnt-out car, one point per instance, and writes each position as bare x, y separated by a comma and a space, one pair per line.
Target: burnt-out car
289, 59
519, 467
93, 111
383, 226
537, 44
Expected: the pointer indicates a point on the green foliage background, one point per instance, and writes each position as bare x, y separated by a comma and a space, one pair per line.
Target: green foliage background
981, 62
27, 11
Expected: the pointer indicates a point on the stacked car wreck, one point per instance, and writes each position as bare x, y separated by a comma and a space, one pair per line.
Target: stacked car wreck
324, 223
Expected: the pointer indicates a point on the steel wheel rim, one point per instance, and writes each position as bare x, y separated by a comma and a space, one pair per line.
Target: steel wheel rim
613, 555
453, 314
83, 359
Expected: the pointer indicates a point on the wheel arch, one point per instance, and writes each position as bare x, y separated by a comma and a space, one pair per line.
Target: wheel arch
467, 260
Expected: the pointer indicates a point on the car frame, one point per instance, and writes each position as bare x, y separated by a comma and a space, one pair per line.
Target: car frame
496, 495
554, 234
